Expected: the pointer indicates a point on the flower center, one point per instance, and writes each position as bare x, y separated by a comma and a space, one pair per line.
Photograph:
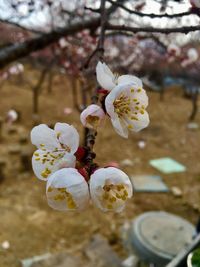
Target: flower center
63, 195
114, 194
122, 105
93, 121
129, 106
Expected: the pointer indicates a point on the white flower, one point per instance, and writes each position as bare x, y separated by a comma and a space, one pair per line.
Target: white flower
56, 148
108, 80
110, 188
67, 190
192, 54
92, 116
126, 105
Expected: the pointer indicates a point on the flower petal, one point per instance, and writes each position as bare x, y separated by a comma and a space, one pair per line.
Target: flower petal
46, 163
141, 122
119, 127
137, 82
67, 190
110, 188
44, 137
105, 76
68, 136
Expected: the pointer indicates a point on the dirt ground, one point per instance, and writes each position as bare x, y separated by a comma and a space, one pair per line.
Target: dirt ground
33, 228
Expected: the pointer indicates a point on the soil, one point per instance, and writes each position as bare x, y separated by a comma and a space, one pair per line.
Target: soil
33, 228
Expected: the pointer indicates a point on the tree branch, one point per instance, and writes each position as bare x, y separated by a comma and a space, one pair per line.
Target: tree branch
171, 16
20, 50
184, 29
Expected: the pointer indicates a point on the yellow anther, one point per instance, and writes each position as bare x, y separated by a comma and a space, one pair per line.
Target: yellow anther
58, 134
42, 145
112, 199
59, 197
124, 198
135, 99
37, 159
62, 190
118, 195
134, 118
130, 126
50, 189
139, 90
36, 154
109, 206
125, 193
142, 111
132, 90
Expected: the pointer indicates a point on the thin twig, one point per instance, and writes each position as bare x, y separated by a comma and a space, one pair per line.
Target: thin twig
151, 15
90, 134
184, 29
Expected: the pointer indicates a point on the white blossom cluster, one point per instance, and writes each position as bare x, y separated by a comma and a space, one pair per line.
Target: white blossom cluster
56, 160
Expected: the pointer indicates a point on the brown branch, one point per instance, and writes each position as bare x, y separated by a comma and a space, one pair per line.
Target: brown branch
91, 134
151, 15
184, 29
19, 50
95, 10
15, 24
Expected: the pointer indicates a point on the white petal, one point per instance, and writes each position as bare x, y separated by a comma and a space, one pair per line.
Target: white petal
137, 82
120, 127
141, 123
44, 137
67, 190
45, 164
105, 76
113, 178
67, 135
141, 96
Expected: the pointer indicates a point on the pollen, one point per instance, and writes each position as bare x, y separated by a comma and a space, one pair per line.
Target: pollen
45, 173
113, 195
64, 195
50, 189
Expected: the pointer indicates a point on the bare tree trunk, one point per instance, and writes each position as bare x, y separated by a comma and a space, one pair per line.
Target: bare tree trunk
194, 105
36, 91
50, 82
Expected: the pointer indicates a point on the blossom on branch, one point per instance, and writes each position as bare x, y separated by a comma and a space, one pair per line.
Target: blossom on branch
126, 105
56, 148
92, 116
108, 80
67, 190
110, 188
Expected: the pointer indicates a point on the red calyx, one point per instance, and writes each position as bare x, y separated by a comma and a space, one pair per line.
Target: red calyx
83, 171
102, 91
80, 153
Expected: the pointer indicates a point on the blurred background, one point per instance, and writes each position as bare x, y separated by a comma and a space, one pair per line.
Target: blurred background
47, 75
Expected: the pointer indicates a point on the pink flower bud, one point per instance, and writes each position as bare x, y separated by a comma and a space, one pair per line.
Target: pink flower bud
92, 116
